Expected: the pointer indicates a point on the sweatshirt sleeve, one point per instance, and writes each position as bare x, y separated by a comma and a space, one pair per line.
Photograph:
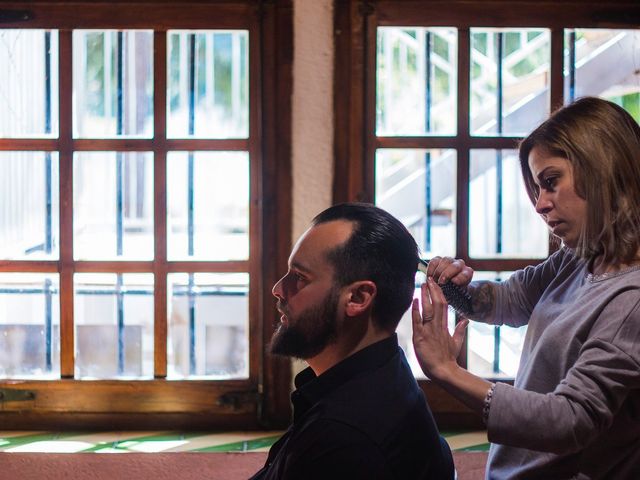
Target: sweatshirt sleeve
584, 403
517, 296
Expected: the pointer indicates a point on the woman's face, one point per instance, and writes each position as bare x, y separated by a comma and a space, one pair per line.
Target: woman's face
558, 203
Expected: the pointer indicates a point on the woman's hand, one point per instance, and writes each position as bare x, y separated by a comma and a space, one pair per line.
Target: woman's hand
435, 348
443, 269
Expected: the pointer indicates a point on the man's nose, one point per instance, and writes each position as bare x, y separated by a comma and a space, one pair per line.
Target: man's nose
277, 289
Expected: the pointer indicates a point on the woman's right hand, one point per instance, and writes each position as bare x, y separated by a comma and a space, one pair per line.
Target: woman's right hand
443, 269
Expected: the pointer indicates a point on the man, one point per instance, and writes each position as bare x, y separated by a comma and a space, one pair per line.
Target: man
358, 411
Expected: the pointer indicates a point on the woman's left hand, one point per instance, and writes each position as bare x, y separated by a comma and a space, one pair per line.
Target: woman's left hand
435, 348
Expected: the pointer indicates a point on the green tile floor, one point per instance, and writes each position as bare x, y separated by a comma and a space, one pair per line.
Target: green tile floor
150, 442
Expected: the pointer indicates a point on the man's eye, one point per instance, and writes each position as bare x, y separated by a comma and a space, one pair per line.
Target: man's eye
297, 277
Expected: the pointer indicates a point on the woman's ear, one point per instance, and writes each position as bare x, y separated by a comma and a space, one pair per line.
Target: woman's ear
360, 298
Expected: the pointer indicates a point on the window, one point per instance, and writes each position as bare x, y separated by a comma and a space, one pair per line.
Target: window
138, 219
431, 101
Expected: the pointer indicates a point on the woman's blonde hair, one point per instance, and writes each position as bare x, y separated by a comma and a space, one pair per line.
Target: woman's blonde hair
602, 143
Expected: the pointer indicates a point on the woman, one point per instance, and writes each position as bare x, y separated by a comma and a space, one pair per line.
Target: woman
574, 411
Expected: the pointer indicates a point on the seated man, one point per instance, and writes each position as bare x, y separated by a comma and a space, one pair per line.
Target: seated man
358, 411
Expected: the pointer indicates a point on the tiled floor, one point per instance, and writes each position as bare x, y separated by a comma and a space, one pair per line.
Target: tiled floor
126, 442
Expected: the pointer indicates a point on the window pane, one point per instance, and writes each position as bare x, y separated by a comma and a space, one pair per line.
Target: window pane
208, 205
419, 188
113, 205
29, 83
29, 325
112, 83
494, 351
603, 63
208, 84
29, 205
416, 73
502, 220
510, 72
113, 325
208, 325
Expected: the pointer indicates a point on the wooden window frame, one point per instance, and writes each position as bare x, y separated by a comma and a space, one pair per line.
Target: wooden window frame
355, 141
260, 401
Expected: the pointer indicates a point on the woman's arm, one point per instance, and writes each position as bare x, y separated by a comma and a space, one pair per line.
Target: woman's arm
567, 418
483, 300
437, 351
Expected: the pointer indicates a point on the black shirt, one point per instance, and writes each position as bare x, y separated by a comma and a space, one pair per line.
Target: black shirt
364, 418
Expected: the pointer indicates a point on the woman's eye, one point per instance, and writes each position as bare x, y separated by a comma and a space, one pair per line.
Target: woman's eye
549, 183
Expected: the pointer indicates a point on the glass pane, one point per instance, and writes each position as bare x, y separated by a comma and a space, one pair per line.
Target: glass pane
494, 351
29, 205
208, 205
603, 63
419, 188
29, 325
113, 325
113, 205
112, 83
208, 325
501, 217
416, 71
208, 84
29, 83
510, 72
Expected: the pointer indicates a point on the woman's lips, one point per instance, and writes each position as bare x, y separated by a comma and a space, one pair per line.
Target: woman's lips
553, 225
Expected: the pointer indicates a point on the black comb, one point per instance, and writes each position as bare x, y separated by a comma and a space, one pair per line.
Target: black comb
458, 299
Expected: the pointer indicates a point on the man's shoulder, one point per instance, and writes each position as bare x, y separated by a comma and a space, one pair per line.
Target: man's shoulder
340, 446
383, 403
377, 421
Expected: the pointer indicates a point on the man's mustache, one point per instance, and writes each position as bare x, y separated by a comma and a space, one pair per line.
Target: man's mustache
282, 307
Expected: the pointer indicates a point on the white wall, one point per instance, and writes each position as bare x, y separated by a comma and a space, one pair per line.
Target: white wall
312, 131
312, 135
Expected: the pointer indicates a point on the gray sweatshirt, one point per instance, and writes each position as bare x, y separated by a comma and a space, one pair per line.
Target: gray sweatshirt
574, 411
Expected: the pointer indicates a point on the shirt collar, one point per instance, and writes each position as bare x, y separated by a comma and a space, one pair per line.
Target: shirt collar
311, 388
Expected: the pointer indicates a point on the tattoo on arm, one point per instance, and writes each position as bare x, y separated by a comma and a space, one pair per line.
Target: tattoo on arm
483, 299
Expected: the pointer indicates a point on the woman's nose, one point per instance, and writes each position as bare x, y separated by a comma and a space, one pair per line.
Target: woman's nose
543, 203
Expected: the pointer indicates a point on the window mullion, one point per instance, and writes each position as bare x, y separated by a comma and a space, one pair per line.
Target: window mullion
557, 67
463, 144
556, 86
66, 264
160, 204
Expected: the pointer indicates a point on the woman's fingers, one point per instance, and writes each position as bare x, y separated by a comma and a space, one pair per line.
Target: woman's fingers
427, 306
416, 316
439, 303
458, 335
444, 269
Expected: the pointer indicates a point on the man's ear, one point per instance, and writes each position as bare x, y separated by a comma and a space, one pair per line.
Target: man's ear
360, 297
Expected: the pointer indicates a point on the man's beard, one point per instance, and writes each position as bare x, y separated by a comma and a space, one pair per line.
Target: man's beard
307, 334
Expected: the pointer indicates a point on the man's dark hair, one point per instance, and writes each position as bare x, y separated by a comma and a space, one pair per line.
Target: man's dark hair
381, 250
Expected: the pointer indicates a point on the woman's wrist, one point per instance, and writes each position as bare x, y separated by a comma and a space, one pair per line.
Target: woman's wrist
445, 372
462, 384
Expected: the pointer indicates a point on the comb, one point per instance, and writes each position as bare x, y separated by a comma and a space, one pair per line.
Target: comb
458, 299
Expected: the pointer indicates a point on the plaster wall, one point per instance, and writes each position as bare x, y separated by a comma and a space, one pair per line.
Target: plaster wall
312, 105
